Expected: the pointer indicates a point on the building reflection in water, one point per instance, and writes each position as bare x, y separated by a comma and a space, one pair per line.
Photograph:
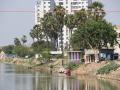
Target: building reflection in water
17, 78
68, 83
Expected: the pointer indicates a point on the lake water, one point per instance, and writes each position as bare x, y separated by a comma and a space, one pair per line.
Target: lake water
19, 78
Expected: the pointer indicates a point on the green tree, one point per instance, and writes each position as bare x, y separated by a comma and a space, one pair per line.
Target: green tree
8, 49
46, 55
81, 17
70, 23
17, 42
37, 33
23, 51
39, 46
24, 39
96, 11
94, 35
59, 13
50, 27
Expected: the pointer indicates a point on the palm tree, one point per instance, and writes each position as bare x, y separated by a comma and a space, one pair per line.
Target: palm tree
37, 33
70, 23
32, 35
50, 26
17, 42
96, 11
81, 17
59, 13
24, 39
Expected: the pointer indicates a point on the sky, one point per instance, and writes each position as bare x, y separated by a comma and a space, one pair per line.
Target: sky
16, 24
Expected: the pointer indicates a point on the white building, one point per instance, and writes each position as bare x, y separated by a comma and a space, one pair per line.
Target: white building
71, 6
117, 47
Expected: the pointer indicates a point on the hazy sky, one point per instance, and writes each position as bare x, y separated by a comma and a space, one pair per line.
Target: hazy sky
16, 24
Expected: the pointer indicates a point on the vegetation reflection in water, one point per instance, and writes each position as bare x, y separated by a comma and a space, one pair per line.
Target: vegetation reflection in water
17, 78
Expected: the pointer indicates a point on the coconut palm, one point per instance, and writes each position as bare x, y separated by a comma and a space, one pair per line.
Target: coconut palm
24, 39
37, 33
70, 23
81, 17
59, 13
50, 26
17, 42
32, 35
96, 10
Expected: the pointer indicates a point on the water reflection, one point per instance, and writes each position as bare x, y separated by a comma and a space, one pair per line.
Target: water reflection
17, 78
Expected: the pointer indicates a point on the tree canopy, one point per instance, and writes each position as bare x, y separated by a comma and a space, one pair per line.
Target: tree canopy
95, 34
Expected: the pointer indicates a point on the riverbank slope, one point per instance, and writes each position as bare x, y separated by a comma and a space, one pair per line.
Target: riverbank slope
92, 69
84, 69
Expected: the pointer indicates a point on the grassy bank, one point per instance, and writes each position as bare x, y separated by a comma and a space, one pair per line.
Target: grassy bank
112, 66
104, 69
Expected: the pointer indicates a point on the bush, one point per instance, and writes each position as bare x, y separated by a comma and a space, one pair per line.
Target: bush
23, 51
46, 54
106, 69
73, 65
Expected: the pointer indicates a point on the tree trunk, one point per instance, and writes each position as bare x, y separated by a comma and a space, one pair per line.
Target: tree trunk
70, 34
62, 45
47, 41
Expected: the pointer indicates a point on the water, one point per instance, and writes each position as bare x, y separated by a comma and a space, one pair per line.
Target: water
19, 78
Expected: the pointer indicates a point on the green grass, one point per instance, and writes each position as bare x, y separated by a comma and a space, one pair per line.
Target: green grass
108, 68
73, 65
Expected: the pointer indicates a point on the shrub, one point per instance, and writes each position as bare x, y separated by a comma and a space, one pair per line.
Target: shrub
106, 69
23, 51
46, 54
73, 65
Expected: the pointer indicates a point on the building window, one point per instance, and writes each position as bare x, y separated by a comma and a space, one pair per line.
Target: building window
38, 9
119, 35
48, 2
66, 1
66, 11
119, 45
38, 19
74, 3
44, 11
74, 7
60, 3
38, 14
67, 38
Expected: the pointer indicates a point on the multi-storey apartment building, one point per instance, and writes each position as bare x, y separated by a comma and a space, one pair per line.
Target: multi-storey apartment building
71, 6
